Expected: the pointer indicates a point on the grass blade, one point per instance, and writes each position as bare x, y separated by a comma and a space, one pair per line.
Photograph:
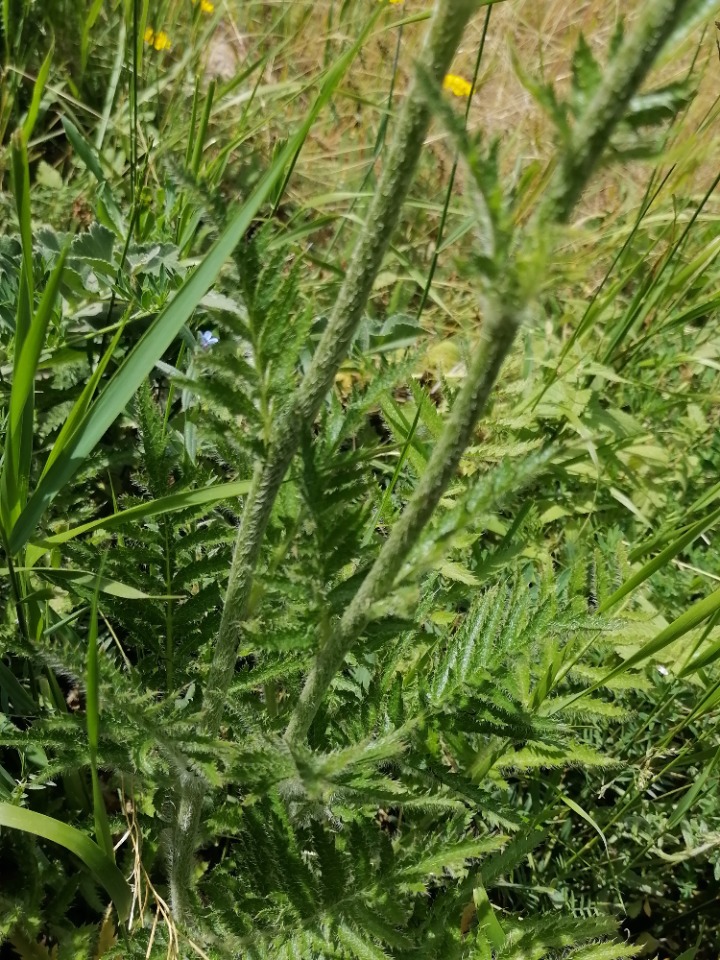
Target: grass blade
111, 216
83, 149
87, 579
661, 560
83, 402
38, 90
18, 446
699, 661
692, 794
21, 700
104, 870
88, 23
19, 439
576, 808
687, 621
154, 508
21, 190
487, 920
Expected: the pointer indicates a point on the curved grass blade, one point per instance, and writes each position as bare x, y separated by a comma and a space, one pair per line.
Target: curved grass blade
488, 922
38, 90
19, 439
18, 696
87, 579
154, 508
693, 617
576, 808
661, 560
104, 870
83, 150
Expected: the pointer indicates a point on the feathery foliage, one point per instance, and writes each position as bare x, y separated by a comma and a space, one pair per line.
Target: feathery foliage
352, 631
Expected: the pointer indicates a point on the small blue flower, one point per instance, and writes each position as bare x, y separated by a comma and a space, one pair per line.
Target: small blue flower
207, 340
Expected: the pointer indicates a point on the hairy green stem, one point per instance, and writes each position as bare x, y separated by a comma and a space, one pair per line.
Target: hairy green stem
187, 800
498, 333
169, 627
655, 23
446, 29
501, 323
447, 26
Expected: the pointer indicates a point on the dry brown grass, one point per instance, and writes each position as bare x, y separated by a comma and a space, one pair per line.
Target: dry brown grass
543, 34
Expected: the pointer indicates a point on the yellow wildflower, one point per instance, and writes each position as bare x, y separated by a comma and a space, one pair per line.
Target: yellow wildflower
205, 5
457, 85
162, 41
159, 40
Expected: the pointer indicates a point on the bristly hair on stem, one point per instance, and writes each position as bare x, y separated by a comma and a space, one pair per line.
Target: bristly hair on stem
502, 319
444, 34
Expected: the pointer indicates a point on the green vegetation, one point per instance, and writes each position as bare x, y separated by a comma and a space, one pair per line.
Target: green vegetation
359, 483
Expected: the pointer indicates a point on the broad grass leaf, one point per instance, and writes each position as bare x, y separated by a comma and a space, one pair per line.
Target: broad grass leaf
104, 870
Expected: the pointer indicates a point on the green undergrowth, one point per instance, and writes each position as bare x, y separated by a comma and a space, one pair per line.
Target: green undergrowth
507, 747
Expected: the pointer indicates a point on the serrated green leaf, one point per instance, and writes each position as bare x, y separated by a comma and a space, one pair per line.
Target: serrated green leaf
453, 856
